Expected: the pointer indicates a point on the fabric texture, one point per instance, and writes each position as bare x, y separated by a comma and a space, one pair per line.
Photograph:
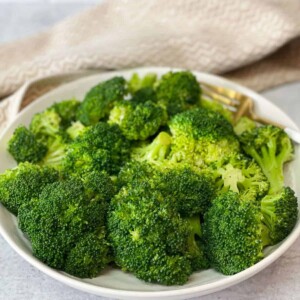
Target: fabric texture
254, 42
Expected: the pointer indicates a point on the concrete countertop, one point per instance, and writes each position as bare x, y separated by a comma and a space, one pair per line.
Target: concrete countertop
19, 280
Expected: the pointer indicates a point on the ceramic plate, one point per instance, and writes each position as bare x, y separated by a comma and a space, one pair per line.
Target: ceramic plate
114, 283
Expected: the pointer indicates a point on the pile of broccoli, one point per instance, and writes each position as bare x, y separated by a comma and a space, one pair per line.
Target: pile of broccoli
147, 176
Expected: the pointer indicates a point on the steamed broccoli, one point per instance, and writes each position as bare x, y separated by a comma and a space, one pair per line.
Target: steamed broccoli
178, 91
244, 124
62, 222
24, 146
242, 175
149, 238
201, 136
280, 213
219, 108
19, 185
138, 121
46, 126
234, 234
100, 147
100, 100
136, 83
67, 111
155, 152
271, 147
75, 129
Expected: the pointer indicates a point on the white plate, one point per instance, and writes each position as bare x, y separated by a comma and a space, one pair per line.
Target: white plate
114, 283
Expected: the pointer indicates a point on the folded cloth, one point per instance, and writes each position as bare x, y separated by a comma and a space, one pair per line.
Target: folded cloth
253, 42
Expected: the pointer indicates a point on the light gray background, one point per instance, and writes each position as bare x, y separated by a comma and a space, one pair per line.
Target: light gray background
19, 280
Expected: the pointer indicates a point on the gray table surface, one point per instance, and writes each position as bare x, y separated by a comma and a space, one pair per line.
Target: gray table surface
19, 280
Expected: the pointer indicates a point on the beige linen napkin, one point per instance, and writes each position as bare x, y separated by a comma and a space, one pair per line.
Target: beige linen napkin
255, 42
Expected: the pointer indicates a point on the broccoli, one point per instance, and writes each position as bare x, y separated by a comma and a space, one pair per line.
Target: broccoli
46, 126
178, 91
201, 137
242, 175
137, 83
143, 95
67, 111
190, 192
244, 124
280, 213
219, 108
156, 152
149, 238
24, 146
100, 147
75, 129
19, 185
100, 100
234, 233
270, 147
138, 121
89, 256
61, 220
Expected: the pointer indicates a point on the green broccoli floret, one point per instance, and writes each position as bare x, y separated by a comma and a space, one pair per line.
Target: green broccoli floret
60, 219
100, 147
190, 192
155, 152
67, 111
270, 147
57, 147
100, 100
138, 121
24, 146
244, 124
242, 175
148, 237
201, 137
89, 256
137, 83
219, 108
143, 95
46, 126
19, 185
280, 213
234, 234
178, 91
75, 129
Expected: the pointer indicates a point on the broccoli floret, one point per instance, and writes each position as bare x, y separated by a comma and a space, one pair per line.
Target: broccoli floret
46, 126
100, 100
143, 95
190, 192
242, 175
56, 151
196, 250
100, 147
217, 107
178, 91
59, 220
89, 256
280, 213
234, 234
67, 111
148, 237
270, 147
201, 136
244, 124
19, 185
137, 83
156, 152
138, 121
24, 146
75, 129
